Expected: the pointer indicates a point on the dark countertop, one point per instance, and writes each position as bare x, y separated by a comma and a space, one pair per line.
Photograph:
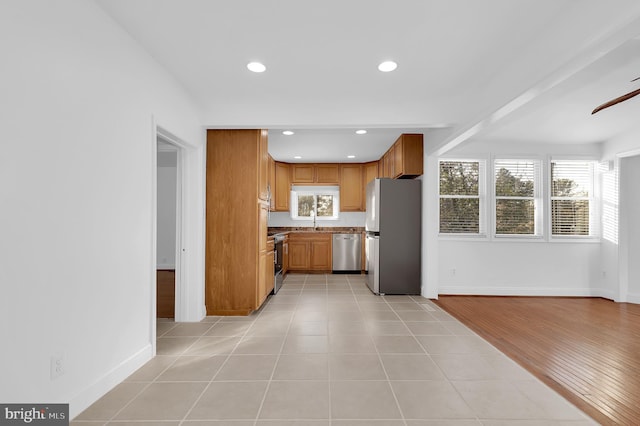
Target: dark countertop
326, 229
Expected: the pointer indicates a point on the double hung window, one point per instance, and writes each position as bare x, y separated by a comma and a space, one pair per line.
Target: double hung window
316, 204
572, 198
516, 197
461, 197
519, 207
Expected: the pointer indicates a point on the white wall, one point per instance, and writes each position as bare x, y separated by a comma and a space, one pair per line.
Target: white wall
166, 225
79, 104
502, 267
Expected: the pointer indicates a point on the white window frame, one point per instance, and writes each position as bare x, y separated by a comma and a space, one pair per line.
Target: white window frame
314, 193
594, 229
537, 198
482, 197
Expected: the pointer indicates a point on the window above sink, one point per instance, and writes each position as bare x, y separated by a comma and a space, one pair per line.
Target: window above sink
315, 203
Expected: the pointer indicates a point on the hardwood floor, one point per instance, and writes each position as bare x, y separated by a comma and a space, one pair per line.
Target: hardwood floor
587, 349
165, 293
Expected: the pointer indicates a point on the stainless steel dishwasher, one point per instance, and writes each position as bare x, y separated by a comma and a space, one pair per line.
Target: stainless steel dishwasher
347, 253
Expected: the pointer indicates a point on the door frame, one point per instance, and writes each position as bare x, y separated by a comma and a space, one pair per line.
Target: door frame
623, 294
190, 227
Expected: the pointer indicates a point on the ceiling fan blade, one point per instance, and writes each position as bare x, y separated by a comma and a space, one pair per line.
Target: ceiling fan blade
617, 100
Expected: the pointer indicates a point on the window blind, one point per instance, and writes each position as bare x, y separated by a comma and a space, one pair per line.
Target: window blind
571, 192
515, 191
460, 197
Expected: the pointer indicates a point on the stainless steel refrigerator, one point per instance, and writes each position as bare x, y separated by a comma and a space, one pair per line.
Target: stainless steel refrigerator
394, 236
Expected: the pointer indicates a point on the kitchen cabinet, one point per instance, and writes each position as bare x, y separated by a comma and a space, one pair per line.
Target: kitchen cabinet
320, 256
237, 263
266, 279
315, 173
272, 183
369, 173
263, 167
327, 173
299, 255
282, 187
310, 251
351, 187
389, 163
407, 156
303, 173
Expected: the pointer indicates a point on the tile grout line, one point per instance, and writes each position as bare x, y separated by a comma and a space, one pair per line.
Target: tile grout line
393, 392
275, 365
155, 379
211, 381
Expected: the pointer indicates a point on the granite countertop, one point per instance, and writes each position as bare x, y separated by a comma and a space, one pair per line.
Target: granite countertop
327, 229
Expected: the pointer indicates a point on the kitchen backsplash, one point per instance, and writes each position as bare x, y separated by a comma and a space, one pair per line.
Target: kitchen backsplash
346, 219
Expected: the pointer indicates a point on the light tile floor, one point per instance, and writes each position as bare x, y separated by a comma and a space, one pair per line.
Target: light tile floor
325, 351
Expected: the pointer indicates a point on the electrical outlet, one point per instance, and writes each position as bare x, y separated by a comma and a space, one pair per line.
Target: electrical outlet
453, 272
57, 366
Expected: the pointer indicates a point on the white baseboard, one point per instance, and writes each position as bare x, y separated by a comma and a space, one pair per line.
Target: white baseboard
97, 390
633, 298
521, 291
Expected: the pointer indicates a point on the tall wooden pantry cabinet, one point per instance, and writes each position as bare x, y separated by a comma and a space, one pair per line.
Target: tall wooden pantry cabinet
239, 261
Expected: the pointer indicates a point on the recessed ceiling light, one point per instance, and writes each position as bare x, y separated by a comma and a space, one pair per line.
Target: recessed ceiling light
256, 67
361, 132
287, 132
387, 66
297, 157
351, 156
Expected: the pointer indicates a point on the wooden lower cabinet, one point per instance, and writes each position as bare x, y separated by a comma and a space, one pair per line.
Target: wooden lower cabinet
320, 256
310, 252
265, 282
298, 255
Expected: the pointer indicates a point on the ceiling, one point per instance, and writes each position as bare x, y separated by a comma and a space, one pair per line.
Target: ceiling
526, 70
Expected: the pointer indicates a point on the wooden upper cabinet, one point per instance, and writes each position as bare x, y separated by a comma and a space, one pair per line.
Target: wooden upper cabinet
303, 173
282, 188
381, 167
351, 187
327, 173
408, 156
315, 173
388, 163
263, 167
369, 173
272, 183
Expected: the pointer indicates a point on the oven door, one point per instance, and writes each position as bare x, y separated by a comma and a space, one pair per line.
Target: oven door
277, 259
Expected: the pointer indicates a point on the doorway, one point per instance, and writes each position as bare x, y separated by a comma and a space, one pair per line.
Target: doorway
167, 175
629, 230
167, 222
